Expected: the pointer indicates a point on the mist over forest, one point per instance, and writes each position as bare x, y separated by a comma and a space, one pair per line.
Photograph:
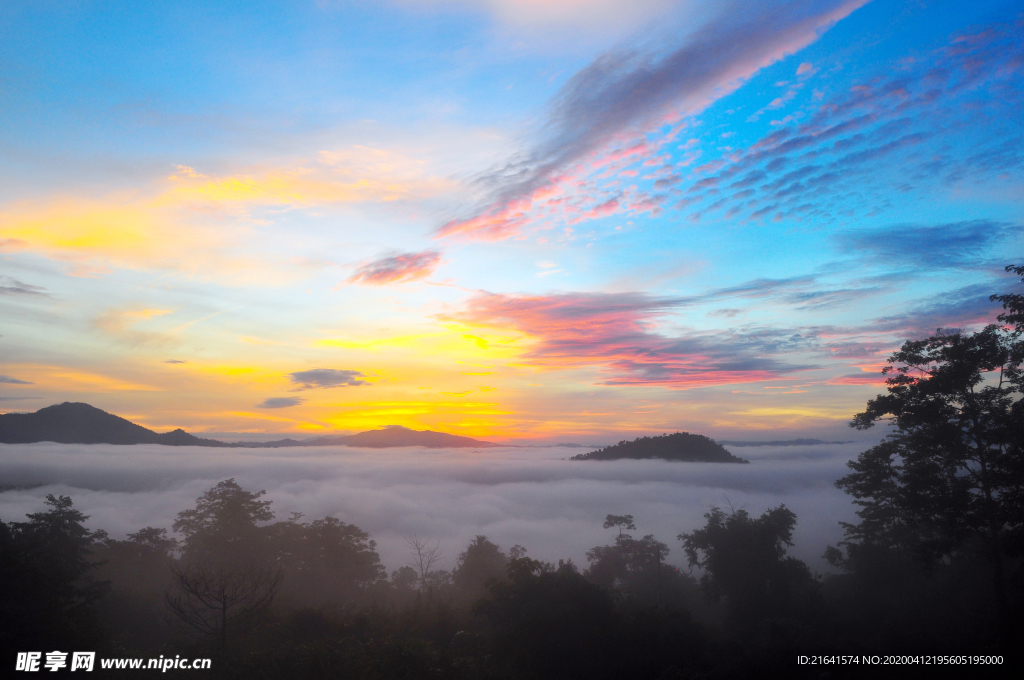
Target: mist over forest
533, 497
520, 563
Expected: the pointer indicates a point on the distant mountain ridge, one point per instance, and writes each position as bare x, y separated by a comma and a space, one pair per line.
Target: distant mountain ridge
78, 423
680, 446
395, 435
780, 442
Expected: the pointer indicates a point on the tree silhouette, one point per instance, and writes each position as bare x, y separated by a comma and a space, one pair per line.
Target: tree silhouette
481, 562
620, 521
745, 562
633, 566
227, 574
425, 556
46, 568
953, 469
551, 622
323, 560
223, 525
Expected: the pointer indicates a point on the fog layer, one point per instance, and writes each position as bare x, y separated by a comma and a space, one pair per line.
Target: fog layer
534, 497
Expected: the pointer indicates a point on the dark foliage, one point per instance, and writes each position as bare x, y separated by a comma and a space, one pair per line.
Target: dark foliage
324, 561
949, 479
480, 564
50, 595
745, 563
552, 622
310, 600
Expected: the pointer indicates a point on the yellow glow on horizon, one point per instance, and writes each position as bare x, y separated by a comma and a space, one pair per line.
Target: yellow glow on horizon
802, 411
63, 378
453, 343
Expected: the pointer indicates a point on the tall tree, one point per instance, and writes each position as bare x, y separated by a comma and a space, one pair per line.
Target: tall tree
620, 521
224, 524
46, 566
952, 469
551, 622
425, 556
227, 574
481, 562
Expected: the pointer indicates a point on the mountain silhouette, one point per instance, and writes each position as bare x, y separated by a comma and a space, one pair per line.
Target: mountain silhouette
77, 423
681, 446
396, 435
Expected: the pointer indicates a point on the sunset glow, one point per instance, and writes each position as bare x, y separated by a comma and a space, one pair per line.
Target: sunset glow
511, 220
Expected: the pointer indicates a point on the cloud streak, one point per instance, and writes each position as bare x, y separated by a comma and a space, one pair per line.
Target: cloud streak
622, 94
965, 306
167, 224
944, 246
280, 402
401, 268
9, 286
327, 377
616, 333
831, 156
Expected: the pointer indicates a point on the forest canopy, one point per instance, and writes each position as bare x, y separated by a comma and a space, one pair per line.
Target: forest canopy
681, 446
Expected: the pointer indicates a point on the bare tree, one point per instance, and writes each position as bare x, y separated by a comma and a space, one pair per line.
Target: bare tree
426, 556
213, 599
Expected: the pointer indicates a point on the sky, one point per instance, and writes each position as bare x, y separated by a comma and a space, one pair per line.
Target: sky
508, 219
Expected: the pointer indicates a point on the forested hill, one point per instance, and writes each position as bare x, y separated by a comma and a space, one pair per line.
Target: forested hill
681, 446
77, 423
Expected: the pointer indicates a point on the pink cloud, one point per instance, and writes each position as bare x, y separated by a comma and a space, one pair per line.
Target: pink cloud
401, 268
600, 210
615, 332
858, 379
12, 244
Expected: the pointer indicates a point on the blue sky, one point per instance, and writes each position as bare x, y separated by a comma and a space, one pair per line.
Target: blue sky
506, 218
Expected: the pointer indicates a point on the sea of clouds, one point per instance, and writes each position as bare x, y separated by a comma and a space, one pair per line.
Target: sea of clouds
534, 497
